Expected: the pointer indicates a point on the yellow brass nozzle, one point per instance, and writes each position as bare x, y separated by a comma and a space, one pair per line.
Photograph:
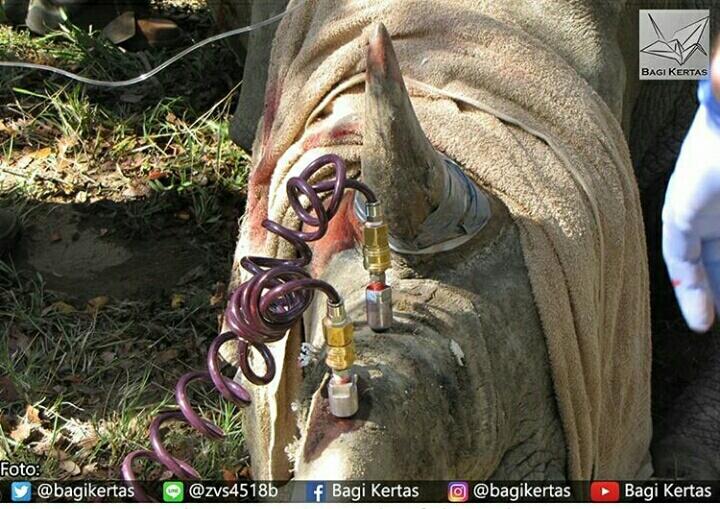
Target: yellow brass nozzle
376, 247
338, 332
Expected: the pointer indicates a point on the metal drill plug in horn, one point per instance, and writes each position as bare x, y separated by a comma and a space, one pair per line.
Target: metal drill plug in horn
376, 259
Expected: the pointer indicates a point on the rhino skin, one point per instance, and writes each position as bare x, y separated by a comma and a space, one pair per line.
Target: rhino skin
522, 437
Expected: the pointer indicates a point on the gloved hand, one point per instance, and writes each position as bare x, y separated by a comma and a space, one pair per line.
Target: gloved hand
691, 214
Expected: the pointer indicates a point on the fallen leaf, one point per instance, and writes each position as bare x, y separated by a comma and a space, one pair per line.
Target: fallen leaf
103, 232
136, 190
22, 432
156, 174
90, 468
183, 215
55, 237
27, 425
97, 303
32, 415
70, 467
135, 161
60, 307
177, 301
229, 475
65, 143
41, 154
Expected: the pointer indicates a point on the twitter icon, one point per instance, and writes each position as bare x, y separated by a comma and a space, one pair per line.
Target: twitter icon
21, 491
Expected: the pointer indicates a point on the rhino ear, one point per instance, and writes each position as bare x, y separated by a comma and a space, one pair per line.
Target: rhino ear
430, 203
398, 161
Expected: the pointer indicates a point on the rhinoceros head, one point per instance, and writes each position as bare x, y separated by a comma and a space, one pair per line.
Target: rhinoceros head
440, 391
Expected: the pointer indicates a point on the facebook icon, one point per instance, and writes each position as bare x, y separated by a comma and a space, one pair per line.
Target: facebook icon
315, 492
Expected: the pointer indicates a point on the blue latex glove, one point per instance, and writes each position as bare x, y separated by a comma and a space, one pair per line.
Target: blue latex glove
691, 216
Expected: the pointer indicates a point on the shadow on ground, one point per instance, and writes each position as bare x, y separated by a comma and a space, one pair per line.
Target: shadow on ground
103, 306
85, 251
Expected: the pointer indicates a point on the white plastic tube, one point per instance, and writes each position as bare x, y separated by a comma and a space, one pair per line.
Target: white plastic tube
159, 68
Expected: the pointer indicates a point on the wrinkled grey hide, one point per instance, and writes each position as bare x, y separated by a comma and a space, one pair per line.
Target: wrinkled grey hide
463, 420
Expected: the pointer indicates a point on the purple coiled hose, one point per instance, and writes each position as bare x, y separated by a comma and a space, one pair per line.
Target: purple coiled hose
261, 310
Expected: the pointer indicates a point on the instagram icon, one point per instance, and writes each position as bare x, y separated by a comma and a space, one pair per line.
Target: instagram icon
458, 491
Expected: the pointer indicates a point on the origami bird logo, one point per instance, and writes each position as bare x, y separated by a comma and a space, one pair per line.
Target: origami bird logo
683, 43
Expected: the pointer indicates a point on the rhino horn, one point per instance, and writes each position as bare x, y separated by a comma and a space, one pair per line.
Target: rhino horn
398, 161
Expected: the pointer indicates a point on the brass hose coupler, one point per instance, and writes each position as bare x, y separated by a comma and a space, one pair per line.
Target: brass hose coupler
376, 259
338, 332
376, 247
342, 388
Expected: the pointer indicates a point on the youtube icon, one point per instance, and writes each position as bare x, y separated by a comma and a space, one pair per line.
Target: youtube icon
605, 491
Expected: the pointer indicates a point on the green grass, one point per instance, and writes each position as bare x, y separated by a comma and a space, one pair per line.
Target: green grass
89, 375
79, 385
55, 138
169, 134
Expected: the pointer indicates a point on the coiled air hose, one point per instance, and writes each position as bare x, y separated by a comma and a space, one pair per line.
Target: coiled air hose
263, 308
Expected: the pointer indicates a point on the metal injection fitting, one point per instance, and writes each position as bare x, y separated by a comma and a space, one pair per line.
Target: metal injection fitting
343, 395
338, 332
376, 259
376, 247
378, 305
